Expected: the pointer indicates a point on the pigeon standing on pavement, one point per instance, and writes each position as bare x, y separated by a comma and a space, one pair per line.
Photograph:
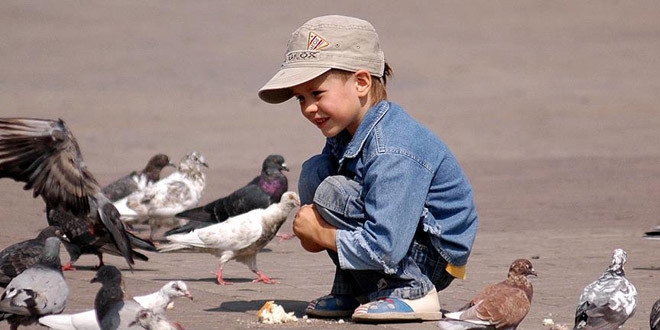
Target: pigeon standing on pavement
37, 291
240, 237
112, 311
610, 301
157, 204
96, 240
134, 181
156, 302
17, 257
45, 155
263, 190
499, 306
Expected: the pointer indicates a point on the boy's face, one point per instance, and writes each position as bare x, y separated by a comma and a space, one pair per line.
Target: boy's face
332, 102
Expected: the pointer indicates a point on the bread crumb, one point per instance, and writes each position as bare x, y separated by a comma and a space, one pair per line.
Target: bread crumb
272, 313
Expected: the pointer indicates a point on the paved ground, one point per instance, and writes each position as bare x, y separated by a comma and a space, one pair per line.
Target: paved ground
551, 107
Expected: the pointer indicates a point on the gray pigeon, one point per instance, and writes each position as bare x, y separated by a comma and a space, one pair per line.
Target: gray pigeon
608, 302
37, 291
134, 181
263, 190
15, 258
240, 237
499, 306
157, 203
112, 311
45, 155
156, 302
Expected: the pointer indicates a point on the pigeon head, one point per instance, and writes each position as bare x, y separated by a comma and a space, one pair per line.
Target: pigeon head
107, 275
192, 163
619, 258
177, 289
160, 161
275, 162
51, 253
290, 198
522, 267
52, 231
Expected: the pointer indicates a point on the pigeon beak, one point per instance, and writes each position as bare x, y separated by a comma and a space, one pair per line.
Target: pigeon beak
533, 272
65, 239
188, 295
284, 167
171, 164
94, 280
205, 165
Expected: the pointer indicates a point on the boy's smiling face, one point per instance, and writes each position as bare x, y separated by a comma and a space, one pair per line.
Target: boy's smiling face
334, 101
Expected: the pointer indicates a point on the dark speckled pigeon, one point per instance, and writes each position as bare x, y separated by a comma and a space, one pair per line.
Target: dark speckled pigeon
240, 237
263, 190
608, 302
654, 319
45, 156
128, 184
499, 306
15, 258
39, 290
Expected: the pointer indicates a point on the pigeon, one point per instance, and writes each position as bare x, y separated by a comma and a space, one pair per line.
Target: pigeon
45, 155
83, 239
134, 181
608, 302
653, 234
499, 306
156, 302
17, 257
112, 310
39, 290
263, 190
149, 320
240, 237
158, 203
654, 320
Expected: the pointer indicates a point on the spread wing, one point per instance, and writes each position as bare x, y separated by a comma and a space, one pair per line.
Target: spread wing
45, 155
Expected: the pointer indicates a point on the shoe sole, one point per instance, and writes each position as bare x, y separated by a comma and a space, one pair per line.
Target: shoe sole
329, 314
396, 317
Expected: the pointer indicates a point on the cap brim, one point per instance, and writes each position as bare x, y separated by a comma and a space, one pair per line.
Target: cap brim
278, 88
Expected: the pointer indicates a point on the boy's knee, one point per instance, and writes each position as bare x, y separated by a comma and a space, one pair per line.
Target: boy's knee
312, 173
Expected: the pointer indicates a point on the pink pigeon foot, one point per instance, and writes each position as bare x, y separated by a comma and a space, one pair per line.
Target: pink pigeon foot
220, 279
68, 266
263, 278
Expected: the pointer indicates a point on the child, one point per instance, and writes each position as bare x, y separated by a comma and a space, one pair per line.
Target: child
386, 197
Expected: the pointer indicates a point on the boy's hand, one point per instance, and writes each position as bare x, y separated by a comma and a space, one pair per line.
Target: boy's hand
315, 234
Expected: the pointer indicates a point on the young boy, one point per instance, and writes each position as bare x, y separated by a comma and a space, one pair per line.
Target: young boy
386, 198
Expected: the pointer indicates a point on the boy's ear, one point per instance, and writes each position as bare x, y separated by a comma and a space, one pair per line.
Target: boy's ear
363, 82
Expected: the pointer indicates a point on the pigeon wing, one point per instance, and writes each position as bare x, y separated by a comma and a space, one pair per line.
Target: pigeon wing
45, 155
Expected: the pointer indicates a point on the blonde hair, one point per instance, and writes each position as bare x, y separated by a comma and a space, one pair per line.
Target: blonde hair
378, 85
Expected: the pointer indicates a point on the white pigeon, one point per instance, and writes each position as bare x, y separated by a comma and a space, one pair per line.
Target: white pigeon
157, 302
610, 301
240, 237
39, 290
157, 203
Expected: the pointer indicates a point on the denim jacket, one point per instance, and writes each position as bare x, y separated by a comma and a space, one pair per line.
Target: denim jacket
410, 182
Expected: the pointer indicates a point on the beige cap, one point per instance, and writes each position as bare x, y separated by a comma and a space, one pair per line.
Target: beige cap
321, 44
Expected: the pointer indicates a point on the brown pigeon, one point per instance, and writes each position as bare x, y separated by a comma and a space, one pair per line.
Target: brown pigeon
499, 306
45, 155
134, 181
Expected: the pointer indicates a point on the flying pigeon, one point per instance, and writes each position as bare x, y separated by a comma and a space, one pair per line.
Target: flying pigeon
111, 309
39, 290
610, 301
156, 302
17, 257
240, 237
654, 319
499, 306
96, 240
45, 155
158, 203
128, 184
149, 320
263, 190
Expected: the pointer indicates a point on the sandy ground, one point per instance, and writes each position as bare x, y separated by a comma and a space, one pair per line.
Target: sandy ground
551, 107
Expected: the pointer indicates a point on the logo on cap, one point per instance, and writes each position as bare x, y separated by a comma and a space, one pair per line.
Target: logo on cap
316, 42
